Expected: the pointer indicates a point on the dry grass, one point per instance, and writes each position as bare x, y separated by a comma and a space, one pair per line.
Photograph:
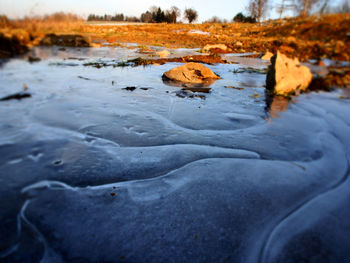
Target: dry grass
313, 37
27, 29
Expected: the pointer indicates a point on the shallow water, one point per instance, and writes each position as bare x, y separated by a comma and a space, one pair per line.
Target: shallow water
91, 171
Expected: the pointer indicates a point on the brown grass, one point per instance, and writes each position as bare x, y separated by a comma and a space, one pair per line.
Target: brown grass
313, 37
29, 28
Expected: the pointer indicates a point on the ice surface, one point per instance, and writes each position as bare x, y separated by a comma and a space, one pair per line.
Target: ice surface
91, 172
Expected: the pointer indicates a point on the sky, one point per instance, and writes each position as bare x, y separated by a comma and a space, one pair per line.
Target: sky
206, 8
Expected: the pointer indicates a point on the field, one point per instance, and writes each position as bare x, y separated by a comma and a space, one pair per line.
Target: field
306, 38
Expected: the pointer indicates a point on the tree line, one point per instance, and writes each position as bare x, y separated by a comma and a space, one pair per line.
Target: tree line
153, 15
257, 10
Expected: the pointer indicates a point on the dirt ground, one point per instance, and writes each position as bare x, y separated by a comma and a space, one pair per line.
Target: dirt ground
309, 38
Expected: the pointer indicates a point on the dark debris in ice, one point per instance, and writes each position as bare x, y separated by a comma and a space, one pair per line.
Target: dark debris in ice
16, 96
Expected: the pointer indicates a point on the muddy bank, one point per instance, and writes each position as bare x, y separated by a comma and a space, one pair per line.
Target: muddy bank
11, 46
336, 77
65, 40
206, 59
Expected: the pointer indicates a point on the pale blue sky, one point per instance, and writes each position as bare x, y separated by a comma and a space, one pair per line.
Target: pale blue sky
206, 8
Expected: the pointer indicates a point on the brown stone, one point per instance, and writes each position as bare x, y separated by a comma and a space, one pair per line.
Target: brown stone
163, 54
287, 76
207, 48
190, 73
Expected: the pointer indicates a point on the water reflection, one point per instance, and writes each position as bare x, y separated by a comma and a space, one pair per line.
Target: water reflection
279, 104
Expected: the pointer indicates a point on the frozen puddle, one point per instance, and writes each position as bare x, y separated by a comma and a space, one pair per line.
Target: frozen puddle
108, 164
199, 32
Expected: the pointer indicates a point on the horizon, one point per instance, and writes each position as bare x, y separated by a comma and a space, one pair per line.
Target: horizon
16, 9
223, 9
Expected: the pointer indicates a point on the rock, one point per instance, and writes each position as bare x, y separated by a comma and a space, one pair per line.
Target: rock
287, 76
232, 87
184, 93
207, 48
32, 59
190, 73
321, 63
267, 56
129, 88
163, 54
65, 40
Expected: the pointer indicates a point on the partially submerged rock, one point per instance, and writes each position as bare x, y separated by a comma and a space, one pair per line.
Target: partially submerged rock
206, 59
163, 54
216, 47
65, 40
287, 76
190, 73
33, 59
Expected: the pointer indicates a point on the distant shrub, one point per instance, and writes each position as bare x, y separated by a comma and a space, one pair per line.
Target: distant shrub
132, 19
157, 15
61, 17
116, 17
4, 21
153, 15
191, 15
146, 17
216, 19
240, 18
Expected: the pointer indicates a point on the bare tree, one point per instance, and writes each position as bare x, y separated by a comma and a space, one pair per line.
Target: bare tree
285, 5
172, 14
304, 7
324, 7
176, 12
257, 9
344, 7
146, 17
153, 9
190, 14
